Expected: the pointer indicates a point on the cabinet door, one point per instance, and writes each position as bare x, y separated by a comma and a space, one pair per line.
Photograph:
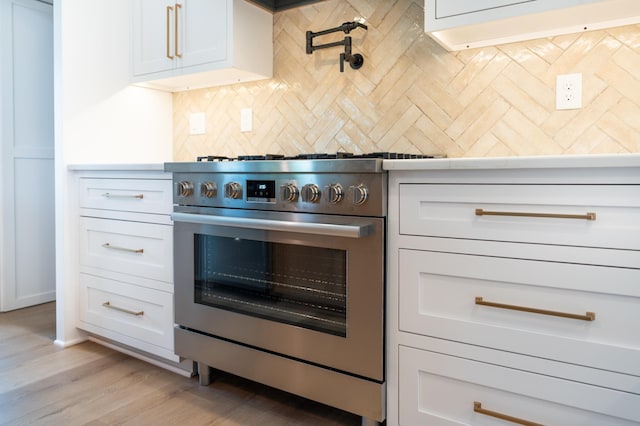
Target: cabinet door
440, 389
136, 316
126, 195
604, 216
153, 36
446, 8
202, 31
139, 249
487, 301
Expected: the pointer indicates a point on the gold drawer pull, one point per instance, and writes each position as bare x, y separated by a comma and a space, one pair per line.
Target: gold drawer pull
589, 316
477, 407
588, 216
169, 10
108, 304
177, 43
109, 246
108, 195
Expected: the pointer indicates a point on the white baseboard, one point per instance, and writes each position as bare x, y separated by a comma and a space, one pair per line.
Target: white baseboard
174, 368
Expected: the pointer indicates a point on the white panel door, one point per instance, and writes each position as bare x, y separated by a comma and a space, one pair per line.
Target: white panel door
203, 28
446, 8
28, 251
154, 48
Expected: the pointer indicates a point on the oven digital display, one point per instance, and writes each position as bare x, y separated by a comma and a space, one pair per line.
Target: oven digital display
262, 191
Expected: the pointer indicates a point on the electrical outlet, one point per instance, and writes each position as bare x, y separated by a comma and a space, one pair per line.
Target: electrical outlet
569, 91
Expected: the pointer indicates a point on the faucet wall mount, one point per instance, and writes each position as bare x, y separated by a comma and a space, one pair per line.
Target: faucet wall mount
355, 60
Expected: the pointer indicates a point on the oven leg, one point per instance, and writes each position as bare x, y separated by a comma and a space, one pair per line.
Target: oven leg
204, 374
369, 422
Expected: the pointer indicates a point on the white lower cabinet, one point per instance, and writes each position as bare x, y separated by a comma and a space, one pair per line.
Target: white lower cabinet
134, 315
513, 296
579, 314
439, 389
125, 252
135, 248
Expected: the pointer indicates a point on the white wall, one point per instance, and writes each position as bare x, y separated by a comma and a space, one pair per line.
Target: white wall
104, 119
99, 119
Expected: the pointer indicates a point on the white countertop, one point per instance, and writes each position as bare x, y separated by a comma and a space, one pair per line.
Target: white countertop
534, 162
118, 167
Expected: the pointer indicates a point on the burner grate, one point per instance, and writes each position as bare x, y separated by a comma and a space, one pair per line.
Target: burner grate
261, 157
213, 158
322, 156
317, 156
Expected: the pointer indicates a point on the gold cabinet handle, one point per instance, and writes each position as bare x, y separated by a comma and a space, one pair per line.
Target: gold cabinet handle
477, 407
108, 195
108, 304
589, 316
587, 216
169, 10
111, 247
177, 48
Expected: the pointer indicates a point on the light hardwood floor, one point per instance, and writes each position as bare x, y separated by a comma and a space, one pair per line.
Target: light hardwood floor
92, 384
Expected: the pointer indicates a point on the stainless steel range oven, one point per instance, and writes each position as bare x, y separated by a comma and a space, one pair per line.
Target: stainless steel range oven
279, 274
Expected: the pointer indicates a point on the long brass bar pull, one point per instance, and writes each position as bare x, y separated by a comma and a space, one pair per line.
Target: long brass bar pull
589, 316
111, 247
477, 407
108, 195
177, 45
587, 216
108, 304
169, 10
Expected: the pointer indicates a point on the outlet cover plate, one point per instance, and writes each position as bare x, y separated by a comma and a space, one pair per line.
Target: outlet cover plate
246, 120
197, 123
569, 91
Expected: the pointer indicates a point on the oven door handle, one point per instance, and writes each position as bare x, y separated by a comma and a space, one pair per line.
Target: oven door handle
334, 230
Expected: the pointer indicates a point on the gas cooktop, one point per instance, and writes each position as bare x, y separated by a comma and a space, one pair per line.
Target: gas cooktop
339, 162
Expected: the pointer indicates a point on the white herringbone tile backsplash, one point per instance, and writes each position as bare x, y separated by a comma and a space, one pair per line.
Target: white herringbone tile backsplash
411, 95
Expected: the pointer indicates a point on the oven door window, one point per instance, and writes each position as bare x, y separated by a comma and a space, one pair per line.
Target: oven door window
299, 285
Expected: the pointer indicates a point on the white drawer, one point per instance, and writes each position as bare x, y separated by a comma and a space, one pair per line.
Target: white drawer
132, 195
140, 249
438, 291
443, 210
137, 314
439, 389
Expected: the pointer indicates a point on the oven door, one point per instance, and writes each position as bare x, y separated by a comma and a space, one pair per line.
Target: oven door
305, 286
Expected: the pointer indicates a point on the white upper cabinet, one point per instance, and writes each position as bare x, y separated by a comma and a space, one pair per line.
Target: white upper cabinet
171, 35
463, 24
188, 44
448, 8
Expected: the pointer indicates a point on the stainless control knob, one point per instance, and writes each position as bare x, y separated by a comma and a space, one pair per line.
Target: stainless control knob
233, 190
360, 194
289, 192
310, 193
185, 188
209, 189
336, 193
